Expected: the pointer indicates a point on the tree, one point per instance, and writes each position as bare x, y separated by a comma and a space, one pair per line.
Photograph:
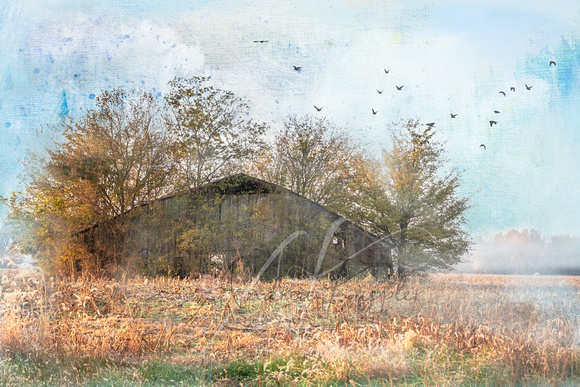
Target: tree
415, 203
210, 131
314, 158
112, 160
212, 136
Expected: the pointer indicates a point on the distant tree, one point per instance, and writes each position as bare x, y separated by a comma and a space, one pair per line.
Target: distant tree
211, 133
113, 159
316, 159
526, 252
414, 202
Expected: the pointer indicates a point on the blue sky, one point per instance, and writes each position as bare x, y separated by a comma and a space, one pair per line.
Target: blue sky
452, 57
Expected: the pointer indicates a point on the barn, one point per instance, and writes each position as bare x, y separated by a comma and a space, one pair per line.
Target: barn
247, 222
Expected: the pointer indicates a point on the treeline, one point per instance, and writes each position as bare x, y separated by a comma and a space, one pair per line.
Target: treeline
132, 149
525, 252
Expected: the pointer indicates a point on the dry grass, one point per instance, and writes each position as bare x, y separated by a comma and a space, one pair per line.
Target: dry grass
441, 330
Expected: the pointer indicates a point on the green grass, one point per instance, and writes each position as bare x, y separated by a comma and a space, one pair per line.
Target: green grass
427, 366
21, 371
89, 372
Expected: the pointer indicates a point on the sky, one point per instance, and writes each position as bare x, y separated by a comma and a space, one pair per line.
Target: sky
451, 56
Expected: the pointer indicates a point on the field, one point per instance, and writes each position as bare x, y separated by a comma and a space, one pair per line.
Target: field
438, 330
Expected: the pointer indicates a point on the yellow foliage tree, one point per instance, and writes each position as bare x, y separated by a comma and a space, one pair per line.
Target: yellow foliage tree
416, 203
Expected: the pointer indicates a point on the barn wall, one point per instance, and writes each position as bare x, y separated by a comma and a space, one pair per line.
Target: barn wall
180, 235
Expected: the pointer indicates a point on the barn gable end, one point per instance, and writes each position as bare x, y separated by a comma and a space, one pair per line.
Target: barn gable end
243, 219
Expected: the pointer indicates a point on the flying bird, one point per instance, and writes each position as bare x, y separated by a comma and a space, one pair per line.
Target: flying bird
512, 88
529, 87
430, 124
453, 115
483, 145
502, 92
552, 63
387, 71
380, 91
317, 108
297, 68
399, 87
496, 111
374, 111
260, 41
492, 122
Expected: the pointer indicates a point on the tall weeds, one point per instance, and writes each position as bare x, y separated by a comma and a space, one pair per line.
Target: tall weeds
446, 329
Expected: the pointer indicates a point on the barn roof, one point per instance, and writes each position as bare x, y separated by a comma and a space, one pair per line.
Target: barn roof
238, 184
241, 184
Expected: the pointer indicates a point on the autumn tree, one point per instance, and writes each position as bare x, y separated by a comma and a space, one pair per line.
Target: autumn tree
211, 131
113, 159
211, 136
416, 204
316, 159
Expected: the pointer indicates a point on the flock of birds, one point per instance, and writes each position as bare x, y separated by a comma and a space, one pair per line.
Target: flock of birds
400, 88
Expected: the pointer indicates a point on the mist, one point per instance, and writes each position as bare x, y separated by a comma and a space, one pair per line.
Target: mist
524, 252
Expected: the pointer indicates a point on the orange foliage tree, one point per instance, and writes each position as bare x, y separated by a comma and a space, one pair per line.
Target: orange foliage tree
113, 159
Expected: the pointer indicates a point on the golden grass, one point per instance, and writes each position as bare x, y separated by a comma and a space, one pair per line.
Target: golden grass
441, 330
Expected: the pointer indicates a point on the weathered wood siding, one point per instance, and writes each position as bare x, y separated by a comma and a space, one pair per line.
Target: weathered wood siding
183, 235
